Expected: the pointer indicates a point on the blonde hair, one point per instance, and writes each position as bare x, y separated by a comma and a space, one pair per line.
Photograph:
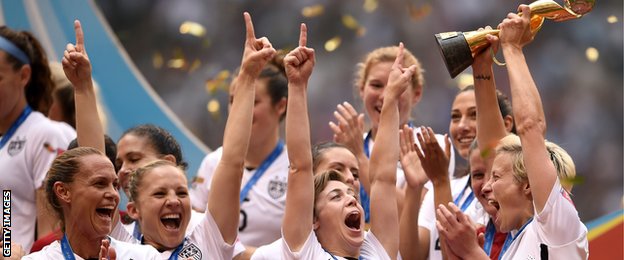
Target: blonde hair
558, 156
388, 54
136, 177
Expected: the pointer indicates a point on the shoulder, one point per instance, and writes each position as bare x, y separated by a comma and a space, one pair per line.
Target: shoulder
372, 248
127, 250
51, 251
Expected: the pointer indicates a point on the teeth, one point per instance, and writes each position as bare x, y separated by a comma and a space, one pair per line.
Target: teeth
171, 216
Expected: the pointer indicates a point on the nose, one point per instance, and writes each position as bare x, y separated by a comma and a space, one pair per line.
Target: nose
112, 193
463, 123
172, 200
487, 187
351, 201
350, 179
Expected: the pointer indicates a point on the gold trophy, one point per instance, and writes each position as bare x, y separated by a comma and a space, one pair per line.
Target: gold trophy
459, 48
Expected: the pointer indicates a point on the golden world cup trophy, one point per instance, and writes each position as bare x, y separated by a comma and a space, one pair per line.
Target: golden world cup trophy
460, 48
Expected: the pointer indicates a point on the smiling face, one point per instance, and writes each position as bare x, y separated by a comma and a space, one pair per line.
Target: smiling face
343, 161
372, 94
511, 198
478, 177
339, 217
133, 152
93, 196
463, 125
162, 207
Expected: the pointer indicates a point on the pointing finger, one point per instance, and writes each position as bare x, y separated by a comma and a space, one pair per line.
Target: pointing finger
251, 35
303, 35
398, 62
79, 36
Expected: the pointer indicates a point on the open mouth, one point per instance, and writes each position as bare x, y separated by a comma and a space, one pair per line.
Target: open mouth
171, 221
354, 221
105, 211
494, 203
465, 140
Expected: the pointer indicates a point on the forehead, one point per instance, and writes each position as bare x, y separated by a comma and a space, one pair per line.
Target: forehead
379, 70
464, 99
95, 165
337, 185
475, 158
502, 163
336, 155
165, 174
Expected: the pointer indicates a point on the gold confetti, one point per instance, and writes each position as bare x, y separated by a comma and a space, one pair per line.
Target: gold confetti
370, 5
573, 180
176, 63
157, 60
612, 19
213, 106
219, 81
417, 13
592, 54
464, 80
333, 44
192, 28
361, 31
349, 22
195, 65
312, 11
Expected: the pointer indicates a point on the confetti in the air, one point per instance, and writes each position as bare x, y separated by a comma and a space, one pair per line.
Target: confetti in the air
157, 60
192, 28
333, 44
612, 19
349, 22
218, 82
370, 5
213, 106
592, 54
312, 11
417, 13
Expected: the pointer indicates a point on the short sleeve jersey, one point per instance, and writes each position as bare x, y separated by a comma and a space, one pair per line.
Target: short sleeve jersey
461, 192
312, 249
24, 163
124, 250
204, 241
557, 232
262, 211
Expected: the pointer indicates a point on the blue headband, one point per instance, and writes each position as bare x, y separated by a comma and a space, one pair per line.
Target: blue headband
11, 49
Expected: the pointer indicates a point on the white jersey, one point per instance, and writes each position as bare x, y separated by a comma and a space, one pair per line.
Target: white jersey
557, 232
24, 163
204, 241
124, 251
312, 249
268, 252
400, 175
460, 188
69, 133
262, 211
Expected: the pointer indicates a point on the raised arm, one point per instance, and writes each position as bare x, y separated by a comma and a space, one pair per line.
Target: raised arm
411, 246
528, 111
77, 68
435, 162
298, 218
223, 201
384, 212
490, 124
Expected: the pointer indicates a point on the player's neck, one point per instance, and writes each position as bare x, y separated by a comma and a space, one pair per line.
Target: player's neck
14, 113
84, 245
260, 149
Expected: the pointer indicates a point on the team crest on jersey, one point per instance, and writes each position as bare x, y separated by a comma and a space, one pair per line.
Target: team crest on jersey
16, 146
277, 188
190, 251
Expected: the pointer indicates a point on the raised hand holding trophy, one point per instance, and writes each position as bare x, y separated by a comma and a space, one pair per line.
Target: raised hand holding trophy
459, 48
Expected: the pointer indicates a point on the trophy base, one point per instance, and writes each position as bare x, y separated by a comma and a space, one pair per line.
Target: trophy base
455, 50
